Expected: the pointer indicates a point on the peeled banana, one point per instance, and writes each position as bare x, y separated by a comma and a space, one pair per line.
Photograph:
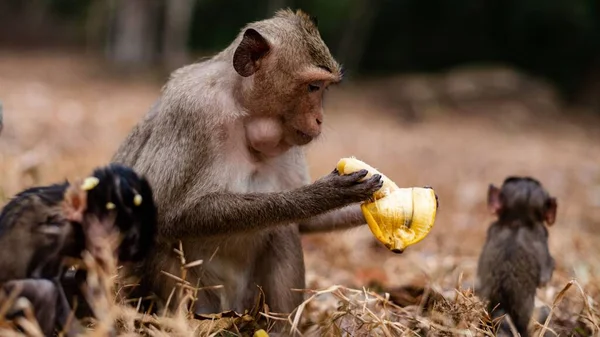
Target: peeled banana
398, 217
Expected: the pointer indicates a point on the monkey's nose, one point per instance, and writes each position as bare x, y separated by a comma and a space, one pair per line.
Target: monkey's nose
319, 121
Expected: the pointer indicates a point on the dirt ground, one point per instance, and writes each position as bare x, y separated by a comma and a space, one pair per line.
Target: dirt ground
65, 114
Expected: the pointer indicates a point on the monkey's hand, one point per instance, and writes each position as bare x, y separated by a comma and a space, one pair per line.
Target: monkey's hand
348, 189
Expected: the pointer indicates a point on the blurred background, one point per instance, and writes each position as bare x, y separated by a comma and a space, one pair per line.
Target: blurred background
453, 94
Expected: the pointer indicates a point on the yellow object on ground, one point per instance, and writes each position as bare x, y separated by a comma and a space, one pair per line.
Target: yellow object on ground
398, 217
261, 333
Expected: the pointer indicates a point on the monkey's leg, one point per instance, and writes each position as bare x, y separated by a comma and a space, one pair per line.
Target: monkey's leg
521, 313
43, 296
281, 269
49, 306
499, 324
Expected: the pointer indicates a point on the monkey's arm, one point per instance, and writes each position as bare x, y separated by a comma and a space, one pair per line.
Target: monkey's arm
227, 213
222, 213
545, 260
548, 265
344, 218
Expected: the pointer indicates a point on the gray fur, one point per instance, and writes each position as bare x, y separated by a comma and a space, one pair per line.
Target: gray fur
232, 205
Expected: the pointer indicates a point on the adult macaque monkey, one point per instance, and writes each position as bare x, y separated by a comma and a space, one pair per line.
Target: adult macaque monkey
222, 149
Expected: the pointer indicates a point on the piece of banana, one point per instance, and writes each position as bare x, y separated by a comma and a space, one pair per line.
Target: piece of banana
398, 217
350, 165
261, 333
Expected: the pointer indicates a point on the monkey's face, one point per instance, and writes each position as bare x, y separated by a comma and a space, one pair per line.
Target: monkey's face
289, 77
522, 197
303, 117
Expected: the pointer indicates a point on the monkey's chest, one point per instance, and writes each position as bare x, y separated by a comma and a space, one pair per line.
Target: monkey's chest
267, 178
270, 181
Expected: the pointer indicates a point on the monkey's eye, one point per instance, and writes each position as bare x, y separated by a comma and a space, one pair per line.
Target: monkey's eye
315, 86
53, 220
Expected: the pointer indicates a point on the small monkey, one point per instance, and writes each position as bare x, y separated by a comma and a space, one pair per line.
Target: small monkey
223, 148
515, 259
33, 225
34, 237
37, 231
120, 200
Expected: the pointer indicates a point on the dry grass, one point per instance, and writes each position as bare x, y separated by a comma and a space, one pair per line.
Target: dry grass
64, 115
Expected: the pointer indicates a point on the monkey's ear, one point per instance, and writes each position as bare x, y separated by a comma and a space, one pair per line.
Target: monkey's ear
247, 56
74, 203
493, 200
550, 213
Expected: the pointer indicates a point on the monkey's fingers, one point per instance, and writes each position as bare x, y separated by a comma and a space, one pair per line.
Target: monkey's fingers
403, 218
351, 165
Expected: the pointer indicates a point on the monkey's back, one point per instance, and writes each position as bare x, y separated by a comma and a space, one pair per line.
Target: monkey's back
509, 271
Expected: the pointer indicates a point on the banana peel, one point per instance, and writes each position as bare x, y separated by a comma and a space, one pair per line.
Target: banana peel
397, 217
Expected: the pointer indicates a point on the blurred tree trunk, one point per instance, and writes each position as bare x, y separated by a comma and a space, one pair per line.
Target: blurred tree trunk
97, 24
178, 18
589, 94
354, 39
275, 5
133, 30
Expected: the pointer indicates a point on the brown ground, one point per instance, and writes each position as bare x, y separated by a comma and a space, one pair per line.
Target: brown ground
63, 115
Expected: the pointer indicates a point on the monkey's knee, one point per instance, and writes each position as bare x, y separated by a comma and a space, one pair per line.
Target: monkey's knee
38, 292
43, 297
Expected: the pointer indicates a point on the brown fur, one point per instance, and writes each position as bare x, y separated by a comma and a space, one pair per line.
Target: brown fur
222, 148
41, 226
515, 260
33, 225
34, 236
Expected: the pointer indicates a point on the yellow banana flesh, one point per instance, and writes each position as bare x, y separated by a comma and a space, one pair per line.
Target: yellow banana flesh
397, 217
260, 333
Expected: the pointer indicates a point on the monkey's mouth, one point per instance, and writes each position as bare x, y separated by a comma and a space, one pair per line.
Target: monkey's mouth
303, 138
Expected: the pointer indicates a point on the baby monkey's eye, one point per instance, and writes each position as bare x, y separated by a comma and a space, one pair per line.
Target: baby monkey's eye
315, 86
53, 220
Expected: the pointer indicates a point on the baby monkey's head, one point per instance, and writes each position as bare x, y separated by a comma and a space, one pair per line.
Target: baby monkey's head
522, 198
115, 197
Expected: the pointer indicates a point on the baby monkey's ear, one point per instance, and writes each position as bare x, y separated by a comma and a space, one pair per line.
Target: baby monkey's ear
75, 199
493, 200
550, 211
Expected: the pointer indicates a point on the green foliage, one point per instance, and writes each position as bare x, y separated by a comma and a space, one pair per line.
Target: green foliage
69, 8
556, 39
217, 22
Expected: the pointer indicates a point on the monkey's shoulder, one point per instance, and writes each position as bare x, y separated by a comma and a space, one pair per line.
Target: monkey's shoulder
201, 89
